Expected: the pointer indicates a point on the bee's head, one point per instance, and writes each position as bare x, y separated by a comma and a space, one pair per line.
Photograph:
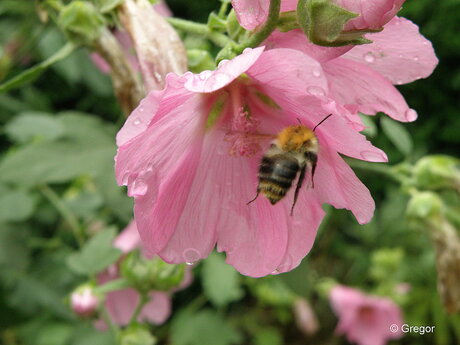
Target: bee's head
296, 138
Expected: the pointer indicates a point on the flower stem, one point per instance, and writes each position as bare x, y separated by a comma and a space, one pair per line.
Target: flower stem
112, 285
260, 35
65, 212
142, 302
223, 9
199, 29
108, 320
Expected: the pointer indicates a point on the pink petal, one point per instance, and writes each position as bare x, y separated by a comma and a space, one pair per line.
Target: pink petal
158, 309
296, 39
162, 8
100, 63
227, 71
354, 83
337, 184
128, 239
306, 75
251, 13
399, 52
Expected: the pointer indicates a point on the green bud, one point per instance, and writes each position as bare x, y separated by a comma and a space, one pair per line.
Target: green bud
81, 22
147, 275
385, 263
234, 29
323, 23
216, 23
200, 60
136, 334
425, 206
324, 286
106, 6
287, 21
435, 172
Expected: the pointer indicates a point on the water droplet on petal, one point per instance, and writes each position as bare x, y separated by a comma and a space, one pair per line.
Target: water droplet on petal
149, 167
222, 63
138, 188
191, 256
316, 72
416, 58
275, 272
369, 57
125, 178
136, 122
399, 82
141, 109
316, 91
372, 156
410, 115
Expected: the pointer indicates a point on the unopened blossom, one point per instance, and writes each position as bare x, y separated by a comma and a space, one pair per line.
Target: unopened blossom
372, 14
121, 303
365, 319
362, 77
305, 316
190, 155
83, 301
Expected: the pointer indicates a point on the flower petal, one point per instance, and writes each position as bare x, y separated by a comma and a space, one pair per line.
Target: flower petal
399, 52
296, 74
128, 239
337, 184
296, 39
251, 13
158, 309
227, 71
354, 83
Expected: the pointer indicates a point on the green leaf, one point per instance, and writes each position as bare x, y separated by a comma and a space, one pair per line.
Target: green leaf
14, 252
205, 327
56, 333
268, 336
33, 73
87, 148
30, 125
397, 134
97, 254
221, 282
15, 205
200, 60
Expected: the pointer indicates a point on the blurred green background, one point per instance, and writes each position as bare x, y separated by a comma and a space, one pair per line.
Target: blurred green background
57, 187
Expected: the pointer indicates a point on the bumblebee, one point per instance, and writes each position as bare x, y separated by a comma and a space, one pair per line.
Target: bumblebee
293, 151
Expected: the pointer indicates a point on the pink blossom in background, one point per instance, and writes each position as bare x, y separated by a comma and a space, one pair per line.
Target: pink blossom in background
191, 182
363, 76
84, 302
372, 14
365, 319
121, 304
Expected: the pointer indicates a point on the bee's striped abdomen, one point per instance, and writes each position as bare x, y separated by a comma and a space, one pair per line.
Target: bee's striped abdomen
276, 174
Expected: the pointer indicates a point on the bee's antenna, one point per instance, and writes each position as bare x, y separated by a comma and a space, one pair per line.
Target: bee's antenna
299, 120
322, 121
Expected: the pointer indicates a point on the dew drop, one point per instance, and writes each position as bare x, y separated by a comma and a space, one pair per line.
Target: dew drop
141, 109
191, 256
222, 63
316, 72
399, 82
138, 188
136, 122
416, 58
316, 91
149, 167
125, 178
372, 156
369, 57
410, 115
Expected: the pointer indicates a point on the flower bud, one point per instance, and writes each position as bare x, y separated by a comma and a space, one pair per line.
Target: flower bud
385, 263
305, 316
147, 275
81, 21
425, 207
434, 172
84, 302
323, 22
136, 335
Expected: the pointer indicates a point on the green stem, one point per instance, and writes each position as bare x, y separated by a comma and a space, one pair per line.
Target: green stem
142, 302
108, 320
261, 35
199, 29
113, 285
65, 212
375, 167
223, 9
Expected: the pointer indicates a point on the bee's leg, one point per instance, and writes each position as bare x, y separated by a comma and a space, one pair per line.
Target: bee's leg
299, 185
313, 159
258, 191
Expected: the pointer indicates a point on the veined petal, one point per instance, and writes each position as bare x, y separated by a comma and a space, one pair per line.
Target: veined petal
128, 239
354, 83
337, 184
296, 74
227, 71
158, 309
251, 13
296, 39
399, 52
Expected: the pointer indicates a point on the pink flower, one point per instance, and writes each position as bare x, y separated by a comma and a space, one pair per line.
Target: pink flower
121, 303
83, 301
191, 180
372, 14
363, 76
366, 320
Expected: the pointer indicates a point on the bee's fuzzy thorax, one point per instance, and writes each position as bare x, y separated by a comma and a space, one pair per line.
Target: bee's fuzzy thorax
294, 138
